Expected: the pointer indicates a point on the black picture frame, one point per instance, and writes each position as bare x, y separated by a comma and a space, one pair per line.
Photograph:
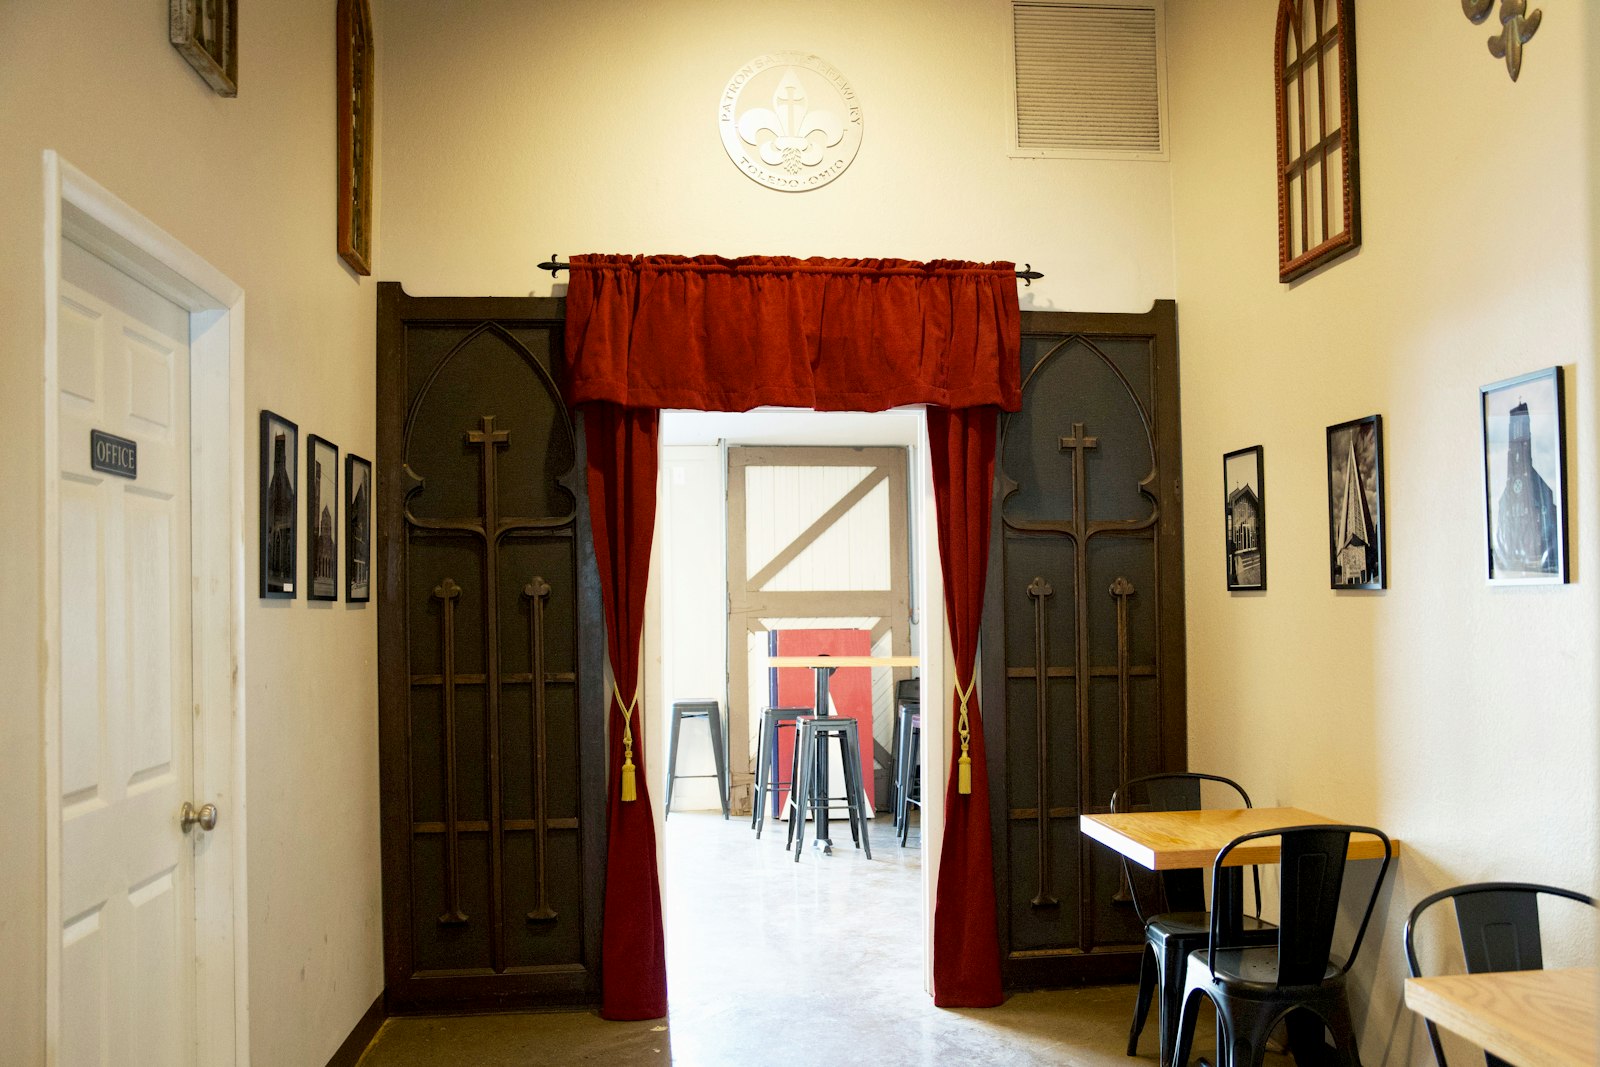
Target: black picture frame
1244, 514
1523, 420
322, 519
357, 529
1356, 553
280, 459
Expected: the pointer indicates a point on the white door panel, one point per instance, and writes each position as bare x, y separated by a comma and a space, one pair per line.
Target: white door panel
127, 761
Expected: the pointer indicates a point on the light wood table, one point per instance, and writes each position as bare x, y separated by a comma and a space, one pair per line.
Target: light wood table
1174, 840
1530, 1018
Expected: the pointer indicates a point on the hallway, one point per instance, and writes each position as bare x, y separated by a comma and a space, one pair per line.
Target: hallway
773, 963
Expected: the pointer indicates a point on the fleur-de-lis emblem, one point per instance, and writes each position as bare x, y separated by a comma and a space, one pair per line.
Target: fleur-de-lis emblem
1517, 28
791, 134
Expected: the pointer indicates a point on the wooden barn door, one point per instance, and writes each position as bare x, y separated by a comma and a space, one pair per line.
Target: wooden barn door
490, 647
1083, 643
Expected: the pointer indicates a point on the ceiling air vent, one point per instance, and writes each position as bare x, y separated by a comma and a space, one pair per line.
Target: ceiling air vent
1089, 79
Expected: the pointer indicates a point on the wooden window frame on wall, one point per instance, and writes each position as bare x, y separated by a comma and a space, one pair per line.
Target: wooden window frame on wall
1339, 41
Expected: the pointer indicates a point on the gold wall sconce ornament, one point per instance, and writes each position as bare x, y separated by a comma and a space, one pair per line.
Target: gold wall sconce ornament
1517, 28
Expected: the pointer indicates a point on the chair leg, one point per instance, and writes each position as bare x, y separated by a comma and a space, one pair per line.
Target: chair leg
1171, 968
1306, 1040
1344, 1033
759, 793
1141, 1006
792, 805
858, 799
802, 789
1187, 1020
720, 756
672, 764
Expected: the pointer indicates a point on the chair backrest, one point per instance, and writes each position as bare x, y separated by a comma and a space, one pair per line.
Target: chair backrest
1310, 881
1181, 890
1499, 925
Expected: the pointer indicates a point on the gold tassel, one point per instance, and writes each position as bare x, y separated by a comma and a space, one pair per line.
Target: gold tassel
964, 729
630, 785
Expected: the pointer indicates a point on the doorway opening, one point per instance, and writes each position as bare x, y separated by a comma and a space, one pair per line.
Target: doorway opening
779, 496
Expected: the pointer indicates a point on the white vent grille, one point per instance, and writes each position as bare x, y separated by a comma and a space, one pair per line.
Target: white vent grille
1088, 78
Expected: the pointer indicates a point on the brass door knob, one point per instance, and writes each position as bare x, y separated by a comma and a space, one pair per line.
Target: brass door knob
206, 817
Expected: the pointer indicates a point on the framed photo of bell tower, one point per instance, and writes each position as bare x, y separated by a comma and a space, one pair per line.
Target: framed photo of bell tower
1525, 479
1356, 556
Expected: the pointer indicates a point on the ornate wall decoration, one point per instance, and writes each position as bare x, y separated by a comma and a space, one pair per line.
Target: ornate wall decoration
205, 32
1517, 28
790, 121
1319, 197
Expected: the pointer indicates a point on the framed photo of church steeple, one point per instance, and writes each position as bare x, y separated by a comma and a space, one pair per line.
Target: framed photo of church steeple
1355, 505
280, 452
1525, 478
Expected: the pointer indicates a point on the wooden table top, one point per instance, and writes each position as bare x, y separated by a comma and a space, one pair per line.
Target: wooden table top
1529, 1018
1173, 840
843, 661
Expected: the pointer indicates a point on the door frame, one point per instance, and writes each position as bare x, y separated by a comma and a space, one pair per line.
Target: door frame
79, 209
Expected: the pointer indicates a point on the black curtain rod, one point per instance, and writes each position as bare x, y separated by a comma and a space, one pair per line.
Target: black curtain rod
1027, 273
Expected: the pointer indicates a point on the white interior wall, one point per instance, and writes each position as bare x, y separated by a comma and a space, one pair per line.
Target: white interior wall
694, 660
1458, 717
248, 186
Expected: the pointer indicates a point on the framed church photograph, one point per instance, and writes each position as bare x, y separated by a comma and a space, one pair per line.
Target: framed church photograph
1245, 518
1355, 505
280, 452
357, 529
1525, 479
322, 519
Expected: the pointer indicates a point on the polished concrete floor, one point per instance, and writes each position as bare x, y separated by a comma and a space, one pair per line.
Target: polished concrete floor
772, 962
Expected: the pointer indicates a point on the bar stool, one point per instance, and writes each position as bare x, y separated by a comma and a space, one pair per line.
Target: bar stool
908, 769
907, 692
767, 779
808, 794
709, 711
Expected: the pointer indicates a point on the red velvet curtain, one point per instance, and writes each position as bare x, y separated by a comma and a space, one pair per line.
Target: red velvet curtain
621, 446
966, 938
845, 335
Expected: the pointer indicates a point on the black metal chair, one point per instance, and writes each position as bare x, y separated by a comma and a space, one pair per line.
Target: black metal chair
1172, 904
1296, 980
1499, 923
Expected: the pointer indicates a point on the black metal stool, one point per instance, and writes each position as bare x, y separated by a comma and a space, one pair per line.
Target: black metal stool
907, 694
809, 794
710, 712
767, 780
908, 769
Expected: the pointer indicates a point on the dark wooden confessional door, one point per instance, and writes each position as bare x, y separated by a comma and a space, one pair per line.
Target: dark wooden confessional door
490, 651
1083, 642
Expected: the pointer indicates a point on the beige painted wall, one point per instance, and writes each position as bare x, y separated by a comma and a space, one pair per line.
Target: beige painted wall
248, 184
514, 130
1458, 717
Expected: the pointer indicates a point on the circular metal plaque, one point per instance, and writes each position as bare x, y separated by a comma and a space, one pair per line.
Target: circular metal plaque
790, 121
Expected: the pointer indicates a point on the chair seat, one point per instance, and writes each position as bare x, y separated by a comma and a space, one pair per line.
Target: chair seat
1247, 971
1189, 924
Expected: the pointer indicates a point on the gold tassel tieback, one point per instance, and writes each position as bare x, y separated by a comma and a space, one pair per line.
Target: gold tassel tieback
630, 787
964, 730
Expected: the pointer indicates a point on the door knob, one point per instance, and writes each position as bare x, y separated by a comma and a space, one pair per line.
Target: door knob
206, 816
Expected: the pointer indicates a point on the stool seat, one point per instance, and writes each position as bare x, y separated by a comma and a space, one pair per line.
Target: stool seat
710, 711
808, 794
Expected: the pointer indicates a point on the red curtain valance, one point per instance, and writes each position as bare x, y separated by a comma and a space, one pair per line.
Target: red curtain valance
714, 334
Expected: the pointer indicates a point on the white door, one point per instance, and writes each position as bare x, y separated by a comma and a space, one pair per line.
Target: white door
127, 736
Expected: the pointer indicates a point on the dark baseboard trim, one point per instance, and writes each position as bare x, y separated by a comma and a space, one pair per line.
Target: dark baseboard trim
361, 1035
